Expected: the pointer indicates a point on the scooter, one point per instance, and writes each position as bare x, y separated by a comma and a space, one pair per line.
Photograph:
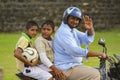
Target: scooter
113, 71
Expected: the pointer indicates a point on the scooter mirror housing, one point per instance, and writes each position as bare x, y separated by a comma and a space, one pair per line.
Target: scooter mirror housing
101, 42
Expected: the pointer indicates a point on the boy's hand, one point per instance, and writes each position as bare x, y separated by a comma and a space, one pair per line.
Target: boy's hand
57, 73
34, 62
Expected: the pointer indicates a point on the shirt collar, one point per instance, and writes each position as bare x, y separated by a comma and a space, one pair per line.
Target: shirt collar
44, 38
67, 26
26, 36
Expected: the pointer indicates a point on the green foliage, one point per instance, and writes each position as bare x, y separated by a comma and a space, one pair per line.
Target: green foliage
8, 42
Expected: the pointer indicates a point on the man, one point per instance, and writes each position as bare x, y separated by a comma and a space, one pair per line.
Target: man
67, 50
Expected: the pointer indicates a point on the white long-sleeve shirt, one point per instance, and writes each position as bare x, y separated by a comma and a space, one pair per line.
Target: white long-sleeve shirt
45, 51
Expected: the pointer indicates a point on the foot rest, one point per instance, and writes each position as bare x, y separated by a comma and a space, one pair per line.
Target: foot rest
22, 76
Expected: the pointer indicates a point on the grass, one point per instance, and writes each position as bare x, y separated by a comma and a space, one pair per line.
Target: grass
8, 41
7, 44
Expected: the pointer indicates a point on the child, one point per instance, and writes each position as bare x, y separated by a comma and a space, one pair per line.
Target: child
43, 45
24, 42
23, 65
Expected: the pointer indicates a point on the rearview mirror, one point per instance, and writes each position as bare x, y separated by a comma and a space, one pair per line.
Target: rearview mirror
101, 42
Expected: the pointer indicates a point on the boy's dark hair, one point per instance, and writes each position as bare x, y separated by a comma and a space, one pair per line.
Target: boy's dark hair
30, 24
49, 22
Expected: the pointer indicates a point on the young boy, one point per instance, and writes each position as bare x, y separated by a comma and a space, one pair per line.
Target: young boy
24, 41
43, 45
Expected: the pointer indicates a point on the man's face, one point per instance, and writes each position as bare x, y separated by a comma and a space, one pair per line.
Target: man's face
73, 21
